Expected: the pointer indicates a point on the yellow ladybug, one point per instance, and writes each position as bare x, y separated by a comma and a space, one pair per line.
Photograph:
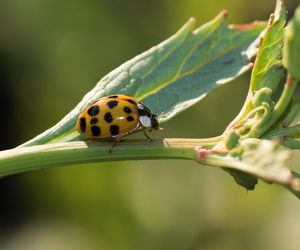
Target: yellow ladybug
114, 117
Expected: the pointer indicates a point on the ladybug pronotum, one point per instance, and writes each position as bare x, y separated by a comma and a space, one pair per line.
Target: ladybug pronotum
114, 117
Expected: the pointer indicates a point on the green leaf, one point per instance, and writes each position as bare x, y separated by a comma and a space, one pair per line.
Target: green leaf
291, 49
173, 75
267, 70
243, 179
263, 159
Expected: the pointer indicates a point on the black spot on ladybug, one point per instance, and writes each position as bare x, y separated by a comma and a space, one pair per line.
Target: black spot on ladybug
108, 117
127, 110
94, 110
113, 96
112, 104
130, 118
95, 130
82, 123
131, 101
114, 130
94, 120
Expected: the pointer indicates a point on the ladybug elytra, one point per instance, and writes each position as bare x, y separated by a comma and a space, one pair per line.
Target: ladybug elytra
114, 117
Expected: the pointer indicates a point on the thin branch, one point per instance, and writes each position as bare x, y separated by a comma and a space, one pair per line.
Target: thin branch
71, 153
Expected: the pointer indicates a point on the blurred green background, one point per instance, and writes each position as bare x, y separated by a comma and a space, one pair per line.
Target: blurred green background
51, 53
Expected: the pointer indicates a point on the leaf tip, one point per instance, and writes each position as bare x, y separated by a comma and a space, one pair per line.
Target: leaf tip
221, 17
250, 65
191, 20
186, 28
190, 23
280, 10
224, 13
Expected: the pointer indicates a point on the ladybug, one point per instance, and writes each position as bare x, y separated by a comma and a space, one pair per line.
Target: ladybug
115, 116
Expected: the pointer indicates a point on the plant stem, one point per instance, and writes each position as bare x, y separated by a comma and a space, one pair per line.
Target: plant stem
71, 153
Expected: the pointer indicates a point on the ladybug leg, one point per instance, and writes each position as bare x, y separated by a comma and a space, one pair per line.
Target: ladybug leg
147, 136
113, 145
115, 142
89, 142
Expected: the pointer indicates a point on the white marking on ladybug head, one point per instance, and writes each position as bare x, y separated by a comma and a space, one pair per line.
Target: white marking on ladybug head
145, 121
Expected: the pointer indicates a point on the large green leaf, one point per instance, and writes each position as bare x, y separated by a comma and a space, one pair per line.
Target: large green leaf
267, 70
175, 74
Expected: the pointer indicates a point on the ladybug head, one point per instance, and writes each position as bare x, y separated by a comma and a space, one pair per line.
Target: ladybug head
147, 118
154, 122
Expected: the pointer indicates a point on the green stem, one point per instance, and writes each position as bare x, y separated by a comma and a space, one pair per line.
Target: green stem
70, 153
